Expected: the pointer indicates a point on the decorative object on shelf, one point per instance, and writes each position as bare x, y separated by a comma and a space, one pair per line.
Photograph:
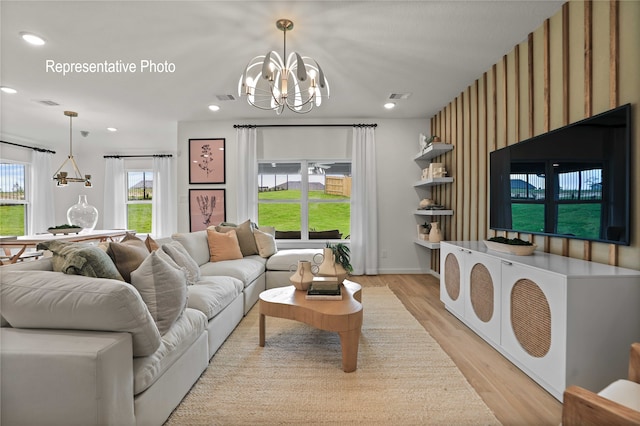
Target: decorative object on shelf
83, 214
422, 142
435, 234
425, 174
423, 229
437, 170
270, 84
64, 229
514, 246
61, 177
426, 203
302, 277
428, 141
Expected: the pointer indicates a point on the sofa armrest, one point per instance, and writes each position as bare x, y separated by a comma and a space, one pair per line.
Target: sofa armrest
583, 407
66, 377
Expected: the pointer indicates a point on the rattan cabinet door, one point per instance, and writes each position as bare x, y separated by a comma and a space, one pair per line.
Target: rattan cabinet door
452, 285
483, 302
534, 319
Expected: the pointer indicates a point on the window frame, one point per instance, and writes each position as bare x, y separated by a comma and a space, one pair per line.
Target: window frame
143, 201
303, 201
27, 185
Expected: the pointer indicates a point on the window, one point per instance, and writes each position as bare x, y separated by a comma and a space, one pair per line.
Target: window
308, 198
13, 198
139, 196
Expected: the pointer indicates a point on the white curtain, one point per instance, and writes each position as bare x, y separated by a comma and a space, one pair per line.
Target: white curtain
247, 175
41, 213
163, 210
114, 215
364, 203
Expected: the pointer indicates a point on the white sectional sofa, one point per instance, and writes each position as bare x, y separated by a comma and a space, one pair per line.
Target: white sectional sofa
76, 350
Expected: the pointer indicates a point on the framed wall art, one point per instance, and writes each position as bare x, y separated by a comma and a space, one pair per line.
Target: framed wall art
206, 161
206, 208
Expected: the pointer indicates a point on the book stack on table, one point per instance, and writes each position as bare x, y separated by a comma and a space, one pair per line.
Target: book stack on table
324, 288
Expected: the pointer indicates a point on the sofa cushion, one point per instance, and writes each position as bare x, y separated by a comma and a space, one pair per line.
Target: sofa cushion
246, 270
127, 255
284, 260
173, 344
45, 299
81, 259
244, 232
163, 288
151, 244
223, 245
288, 235
181, 256
196, 244
333, 234
266, 243
212, 294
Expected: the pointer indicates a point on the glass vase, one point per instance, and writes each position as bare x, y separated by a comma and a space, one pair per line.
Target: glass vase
83, 214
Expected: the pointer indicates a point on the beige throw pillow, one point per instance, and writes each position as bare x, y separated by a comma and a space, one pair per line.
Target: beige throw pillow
151, 244
245, 237
127, 256
163, 289
180, 255
223, 245
266, 243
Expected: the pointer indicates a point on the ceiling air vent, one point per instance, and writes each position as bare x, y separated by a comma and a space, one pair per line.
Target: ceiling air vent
226, 97
399, 96
47, 102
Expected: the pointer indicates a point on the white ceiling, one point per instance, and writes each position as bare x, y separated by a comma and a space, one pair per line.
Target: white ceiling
368, 50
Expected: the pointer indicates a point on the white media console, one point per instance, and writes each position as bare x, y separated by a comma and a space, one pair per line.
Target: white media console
562, 321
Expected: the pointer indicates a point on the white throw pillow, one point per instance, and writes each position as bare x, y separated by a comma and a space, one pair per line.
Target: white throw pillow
163, 288
179, 254
266, 243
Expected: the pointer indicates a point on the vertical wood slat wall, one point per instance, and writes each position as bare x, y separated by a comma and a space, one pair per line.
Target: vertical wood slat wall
529, 92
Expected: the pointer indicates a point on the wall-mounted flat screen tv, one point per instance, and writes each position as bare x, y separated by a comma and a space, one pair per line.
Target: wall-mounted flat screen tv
571, 182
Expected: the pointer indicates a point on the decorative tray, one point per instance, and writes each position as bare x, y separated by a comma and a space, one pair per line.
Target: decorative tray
518, 250
65, 231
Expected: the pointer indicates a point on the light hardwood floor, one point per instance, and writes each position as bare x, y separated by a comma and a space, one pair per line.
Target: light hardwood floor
513, 397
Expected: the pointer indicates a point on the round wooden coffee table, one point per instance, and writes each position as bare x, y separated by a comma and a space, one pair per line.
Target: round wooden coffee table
342, 316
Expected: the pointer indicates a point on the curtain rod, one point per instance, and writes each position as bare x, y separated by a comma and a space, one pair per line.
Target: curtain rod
29, 147
139, 156
249, 126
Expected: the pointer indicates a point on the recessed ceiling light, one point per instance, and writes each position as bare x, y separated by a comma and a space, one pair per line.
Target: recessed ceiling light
32, 38
112, 129
390, 105
6, 89
214, 107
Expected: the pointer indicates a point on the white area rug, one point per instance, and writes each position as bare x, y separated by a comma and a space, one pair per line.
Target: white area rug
403, 377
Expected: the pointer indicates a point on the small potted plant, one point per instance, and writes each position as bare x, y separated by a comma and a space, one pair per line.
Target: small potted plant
342, 255
423, 230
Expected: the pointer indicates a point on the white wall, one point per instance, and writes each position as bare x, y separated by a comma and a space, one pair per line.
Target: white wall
396, 145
